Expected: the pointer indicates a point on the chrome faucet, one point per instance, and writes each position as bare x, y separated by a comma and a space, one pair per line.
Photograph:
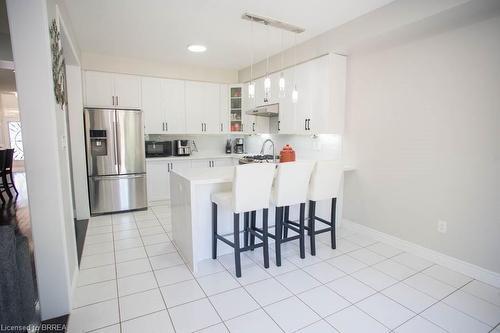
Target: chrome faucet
263, 146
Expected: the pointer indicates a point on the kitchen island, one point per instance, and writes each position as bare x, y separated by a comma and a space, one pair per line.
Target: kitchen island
191, 212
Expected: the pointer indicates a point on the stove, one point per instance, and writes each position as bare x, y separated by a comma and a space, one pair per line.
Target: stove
257, 159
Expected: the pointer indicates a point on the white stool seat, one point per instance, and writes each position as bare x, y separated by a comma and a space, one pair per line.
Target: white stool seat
325, 180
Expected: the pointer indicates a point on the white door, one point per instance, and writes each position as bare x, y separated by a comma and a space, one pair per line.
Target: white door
99, 89
304, 80
224, 108
194, 107
174, 104
287, 107
211, 107
154, 115
128, 91
158, 180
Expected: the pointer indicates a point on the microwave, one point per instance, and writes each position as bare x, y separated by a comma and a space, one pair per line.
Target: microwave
158, 148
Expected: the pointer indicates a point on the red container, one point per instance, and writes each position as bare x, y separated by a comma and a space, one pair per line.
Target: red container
287, 154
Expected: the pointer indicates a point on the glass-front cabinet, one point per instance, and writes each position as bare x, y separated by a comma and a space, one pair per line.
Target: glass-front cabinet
236, 108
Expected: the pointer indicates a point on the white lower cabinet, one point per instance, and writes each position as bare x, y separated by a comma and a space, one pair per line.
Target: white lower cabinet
158, 177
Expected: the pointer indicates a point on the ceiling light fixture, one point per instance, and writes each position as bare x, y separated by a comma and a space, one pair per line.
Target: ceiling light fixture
196, 48
267, 80
281, 82
251, 85
295, 92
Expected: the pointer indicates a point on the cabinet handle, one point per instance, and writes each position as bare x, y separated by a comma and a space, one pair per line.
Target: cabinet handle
253, 127
117, 100
221, 128
166, 127
168, 167
305, 124
202, 127
163, 126
113, 100
241, 127
279, 125
309, 124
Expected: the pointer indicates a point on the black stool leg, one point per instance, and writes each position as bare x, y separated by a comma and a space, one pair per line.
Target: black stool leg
286, 219
214, 230
253, 218
236, 232
246, 217
12, 181
302, 245
312, 218
6, 184
277, 234
332, 232
265, 242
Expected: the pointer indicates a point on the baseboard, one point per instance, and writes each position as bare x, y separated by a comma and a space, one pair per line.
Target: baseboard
477, 272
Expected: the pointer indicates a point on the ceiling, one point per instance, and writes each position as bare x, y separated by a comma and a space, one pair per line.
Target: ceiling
160, 30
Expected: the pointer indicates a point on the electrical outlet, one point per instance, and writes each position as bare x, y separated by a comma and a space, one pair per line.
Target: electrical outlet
442, 226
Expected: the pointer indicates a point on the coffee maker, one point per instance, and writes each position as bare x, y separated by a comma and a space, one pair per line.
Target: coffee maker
238, 146
182, 148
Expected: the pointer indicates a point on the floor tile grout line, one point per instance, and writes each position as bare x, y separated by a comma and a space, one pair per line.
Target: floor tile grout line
116, 281
348, 274
159, 290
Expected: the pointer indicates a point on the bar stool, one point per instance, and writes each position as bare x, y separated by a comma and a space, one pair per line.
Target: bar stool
324, 185
290, 188
251, 192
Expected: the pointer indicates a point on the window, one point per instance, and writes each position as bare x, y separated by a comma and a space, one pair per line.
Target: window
16, 140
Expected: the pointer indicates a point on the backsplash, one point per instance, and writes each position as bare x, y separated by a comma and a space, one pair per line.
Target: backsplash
323, 146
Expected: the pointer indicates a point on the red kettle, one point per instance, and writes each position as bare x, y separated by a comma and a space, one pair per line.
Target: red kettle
287, 154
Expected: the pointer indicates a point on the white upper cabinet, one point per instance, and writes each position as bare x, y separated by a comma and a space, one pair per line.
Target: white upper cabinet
154, 115
112, 90
286, 118
127, 91
224, 113
174, 104
163, 105
202, 107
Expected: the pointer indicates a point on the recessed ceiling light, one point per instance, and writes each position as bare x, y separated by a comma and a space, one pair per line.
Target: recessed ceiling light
197, 48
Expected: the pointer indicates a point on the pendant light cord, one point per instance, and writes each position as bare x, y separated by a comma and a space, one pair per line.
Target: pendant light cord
251, 52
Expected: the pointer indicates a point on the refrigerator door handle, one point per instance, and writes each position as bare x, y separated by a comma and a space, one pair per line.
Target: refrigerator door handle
115, 146
141, 175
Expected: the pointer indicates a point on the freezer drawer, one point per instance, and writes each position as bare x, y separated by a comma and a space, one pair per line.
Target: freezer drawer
117, 193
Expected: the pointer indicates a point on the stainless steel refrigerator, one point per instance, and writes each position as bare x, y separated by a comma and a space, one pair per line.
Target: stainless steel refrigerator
116, 164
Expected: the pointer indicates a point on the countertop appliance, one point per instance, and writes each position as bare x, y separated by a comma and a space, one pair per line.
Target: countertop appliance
158, 148
182, 148
257, 159
239, 146
116, 166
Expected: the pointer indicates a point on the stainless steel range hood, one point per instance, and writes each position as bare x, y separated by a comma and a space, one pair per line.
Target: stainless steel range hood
269, 110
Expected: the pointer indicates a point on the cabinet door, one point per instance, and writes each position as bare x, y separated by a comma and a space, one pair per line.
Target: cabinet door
180, 165
246, 104
158, 180
194, 106
287, 107
128, 90
304, 80
154, 115
321, 112
259, 92
211, 107
200, 163
221, 162
99, 89
174, 103
224, 115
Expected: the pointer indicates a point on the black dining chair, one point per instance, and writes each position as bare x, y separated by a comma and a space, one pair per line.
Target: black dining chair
3, 186
7, 177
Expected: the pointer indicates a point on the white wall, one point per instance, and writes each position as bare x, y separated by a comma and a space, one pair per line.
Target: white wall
423, 126
99, 62
46, 163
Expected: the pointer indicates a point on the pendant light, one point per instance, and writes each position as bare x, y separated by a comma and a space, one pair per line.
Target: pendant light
281, 82
267, 80
295, 92
251, 85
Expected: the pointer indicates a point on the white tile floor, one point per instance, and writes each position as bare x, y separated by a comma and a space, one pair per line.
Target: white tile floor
133, 280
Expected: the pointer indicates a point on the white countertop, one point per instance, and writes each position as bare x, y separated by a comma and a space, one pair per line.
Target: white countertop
207, 175
195, 156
